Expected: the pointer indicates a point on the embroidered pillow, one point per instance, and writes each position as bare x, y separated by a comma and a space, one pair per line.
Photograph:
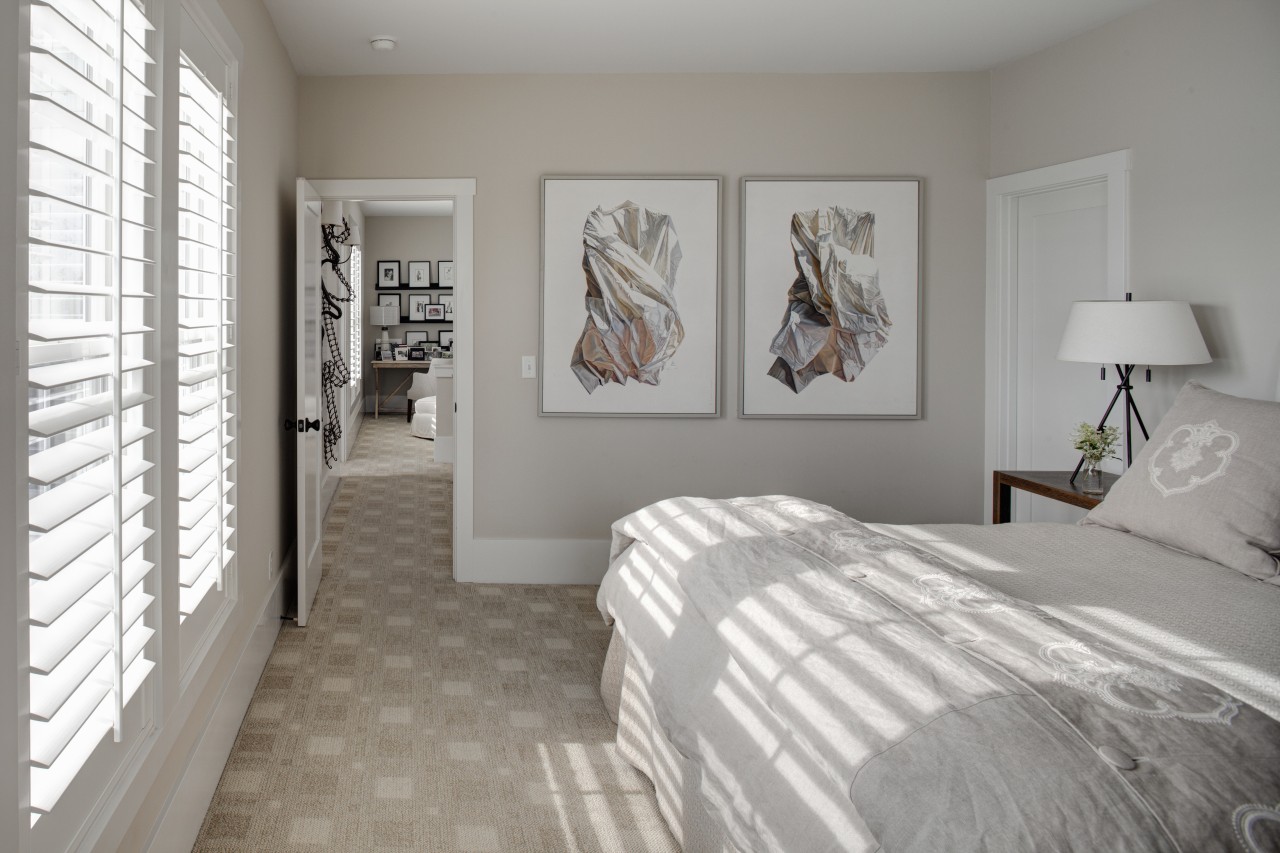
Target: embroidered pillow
1208, 483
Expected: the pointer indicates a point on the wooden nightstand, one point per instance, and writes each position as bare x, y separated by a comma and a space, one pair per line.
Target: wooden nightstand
1055, 485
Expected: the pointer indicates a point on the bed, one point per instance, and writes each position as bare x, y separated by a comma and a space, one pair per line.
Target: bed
791, 679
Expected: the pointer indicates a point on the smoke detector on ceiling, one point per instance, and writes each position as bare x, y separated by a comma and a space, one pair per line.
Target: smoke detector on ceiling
382, 43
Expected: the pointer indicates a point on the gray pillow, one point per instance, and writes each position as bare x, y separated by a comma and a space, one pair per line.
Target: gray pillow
1208, 483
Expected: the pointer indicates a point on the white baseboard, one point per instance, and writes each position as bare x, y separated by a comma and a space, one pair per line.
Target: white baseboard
534, 561
179, 823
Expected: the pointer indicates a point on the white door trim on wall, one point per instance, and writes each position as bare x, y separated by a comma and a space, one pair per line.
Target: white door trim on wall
1004, 195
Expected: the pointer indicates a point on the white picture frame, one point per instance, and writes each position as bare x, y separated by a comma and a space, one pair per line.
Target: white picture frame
685, 382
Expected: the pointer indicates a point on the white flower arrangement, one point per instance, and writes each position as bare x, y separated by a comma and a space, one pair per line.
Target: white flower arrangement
1096, 444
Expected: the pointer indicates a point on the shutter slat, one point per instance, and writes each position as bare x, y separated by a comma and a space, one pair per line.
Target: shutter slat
191, 513
52, 552
67, 373
191, 485
192, 457
189, 597
192, 568
64, 416
46, 511
196, 375
62, 330
61, 460
53, 597
50, 692
190, 541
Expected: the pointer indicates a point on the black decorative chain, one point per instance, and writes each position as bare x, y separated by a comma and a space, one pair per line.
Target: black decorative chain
334, 372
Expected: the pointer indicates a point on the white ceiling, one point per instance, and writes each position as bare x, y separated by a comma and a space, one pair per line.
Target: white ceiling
393, 207
331, 37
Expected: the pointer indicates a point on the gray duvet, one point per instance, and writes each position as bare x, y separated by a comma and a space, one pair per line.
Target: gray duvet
841, 689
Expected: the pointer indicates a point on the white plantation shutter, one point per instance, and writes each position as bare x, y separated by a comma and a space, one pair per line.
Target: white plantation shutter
90, 379
355, 317
206, 326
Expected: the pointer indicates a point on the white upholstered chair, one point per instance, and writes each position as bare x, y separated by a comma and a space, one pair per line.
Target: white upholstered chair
422, 405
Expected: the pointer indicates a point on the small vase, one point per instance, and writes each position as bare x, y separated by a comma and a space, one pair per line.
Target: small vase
1091, 477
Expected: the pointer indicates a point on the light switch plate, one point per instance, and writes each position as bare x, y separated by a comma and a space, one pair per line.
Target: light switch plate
528, 367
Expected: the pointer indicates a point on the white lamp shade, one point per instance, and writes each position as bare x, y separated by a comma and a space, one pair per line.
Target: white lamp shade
353, 239
384, 315
330, 213
1132, 333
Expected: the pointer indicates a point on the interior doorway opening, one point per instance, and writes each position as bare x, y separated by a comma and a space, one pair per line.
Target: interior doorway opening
416, 218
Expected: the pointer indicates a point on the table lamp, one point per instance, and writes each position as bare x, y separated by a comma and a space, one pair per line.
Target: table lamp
384, 316
1126, 334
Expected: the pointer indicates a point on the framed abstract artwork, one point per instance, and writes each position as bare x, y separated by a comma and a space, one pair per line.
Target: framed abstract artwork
830, 298
630, 307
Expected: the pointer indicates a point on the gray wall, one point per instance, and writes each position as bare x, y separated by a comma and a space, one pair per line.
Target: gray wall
403, 239
1193, 88
569, 478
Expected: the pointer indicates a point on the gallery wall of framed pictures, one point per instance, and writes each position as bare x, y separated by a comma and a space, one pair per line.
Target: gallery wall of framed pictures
418, 299
829, 308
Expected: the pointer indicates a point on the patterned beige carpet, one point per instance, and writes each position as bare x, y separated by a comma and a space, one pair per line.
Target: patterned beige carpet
415, 713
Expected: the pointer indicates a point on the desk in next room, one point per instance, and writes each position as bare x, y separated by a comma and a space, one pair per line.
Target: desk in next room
408, 368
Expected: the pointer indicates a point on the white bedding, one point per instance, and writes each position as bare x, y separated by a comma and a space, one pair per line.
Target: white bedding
758, 736
1203, 619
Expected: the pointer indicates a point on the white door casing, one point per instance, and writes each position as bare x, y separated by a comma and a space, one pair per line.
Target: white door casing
1054, 236
307, 406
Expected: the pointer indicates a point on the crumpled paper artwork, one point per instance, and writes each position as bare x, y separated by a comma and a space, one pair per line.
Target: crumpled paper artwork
836, 318
630, 255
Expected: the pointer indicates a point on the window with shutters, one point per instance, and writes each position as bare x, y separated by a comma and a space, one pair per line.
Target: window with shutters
206, 333
91, 379
355, 318
130, 419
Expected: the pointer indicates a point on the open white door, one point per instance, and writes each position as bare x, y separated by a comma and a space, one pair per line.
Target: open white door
311, 507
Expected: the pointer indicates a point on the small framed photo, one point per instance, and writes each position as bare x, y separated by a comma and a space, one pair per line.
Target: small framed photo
445, 268
418, 305
401, 353
446, 299
419, 273
417, 353
388, 273
446, 340
434, 312
413, 338
392, 300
